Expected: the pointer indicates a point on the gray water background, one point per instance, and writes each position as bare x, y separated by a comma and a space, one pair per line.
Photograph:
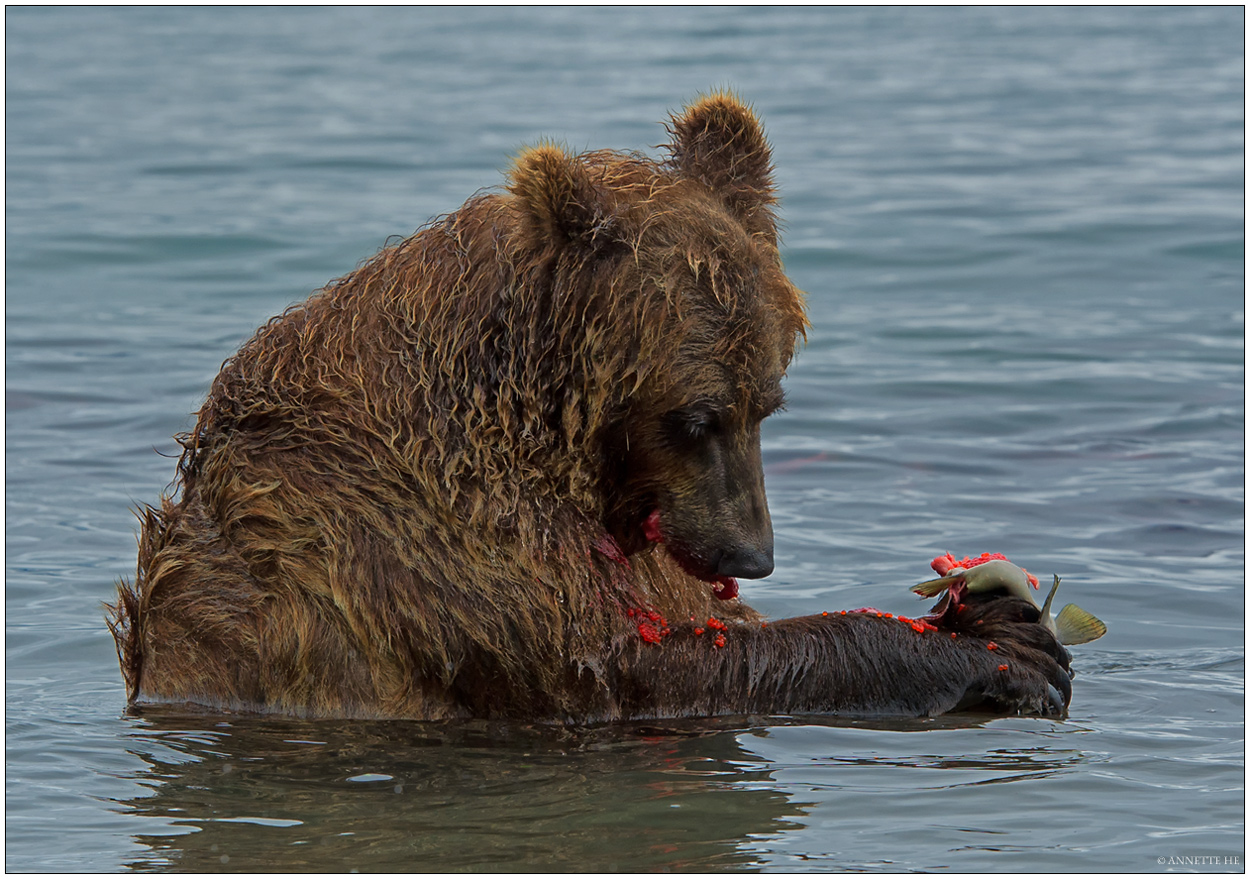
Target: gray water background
1021, 233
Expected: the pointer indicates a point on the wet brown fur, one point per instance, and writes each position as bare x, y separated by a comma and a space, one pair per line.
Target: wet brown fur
413, 495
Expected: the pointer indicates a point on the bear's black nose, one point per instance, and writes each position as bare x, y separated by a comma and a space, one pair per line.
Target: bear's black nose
746, 562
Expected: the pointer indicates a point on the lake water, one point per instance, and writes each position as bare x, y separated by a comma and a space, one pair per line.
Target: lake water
1021, 232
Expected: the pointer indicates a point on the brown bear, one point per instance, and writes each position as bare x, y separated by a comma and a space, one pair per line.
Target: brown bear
510, 467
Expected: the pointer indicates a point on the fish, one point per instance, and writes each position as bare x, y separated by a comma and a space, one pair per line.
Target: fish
985, 577
1072, 625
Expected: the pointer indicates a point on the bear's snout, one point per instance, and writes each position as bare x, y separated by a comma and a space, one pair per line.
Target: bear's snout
747, 562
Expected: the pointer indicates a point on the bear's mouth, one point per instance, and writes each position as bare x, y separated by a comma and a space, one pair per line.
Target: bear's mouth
724, 588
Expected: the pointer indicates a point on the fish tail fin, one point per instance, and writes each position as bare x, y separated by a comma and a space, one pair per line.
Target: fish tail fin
1076, 626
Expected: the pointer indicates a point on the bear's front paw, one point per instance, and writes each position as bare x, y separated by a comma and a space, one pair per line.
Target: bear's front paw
1025, 668
1029, 681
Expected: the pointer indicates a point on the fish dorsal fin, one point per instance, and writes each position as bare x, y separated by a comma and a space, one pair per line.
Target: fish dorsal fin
1076, 626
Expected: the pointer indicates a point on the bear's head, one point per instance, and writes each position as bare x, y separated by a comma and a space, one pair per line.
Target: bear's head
669, 301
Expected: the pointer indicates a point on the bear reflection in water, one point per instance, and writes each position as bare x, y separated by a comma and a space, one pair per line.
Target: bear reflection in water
510, 467
270, 793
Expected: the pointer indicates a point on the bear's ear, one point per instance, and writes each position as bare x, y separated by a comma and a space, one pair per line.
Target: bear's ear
558, 197
719, 141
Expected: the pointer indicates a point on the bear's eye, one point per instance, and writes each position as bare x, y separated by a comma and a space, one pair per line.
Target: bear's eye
692, 424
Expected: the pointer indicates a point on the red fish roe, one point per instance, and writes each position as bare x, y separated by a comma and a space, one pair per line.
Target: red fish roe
651, 626
719, 642
698, 630
991, 646
714, 623
944, 563
1002, 668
